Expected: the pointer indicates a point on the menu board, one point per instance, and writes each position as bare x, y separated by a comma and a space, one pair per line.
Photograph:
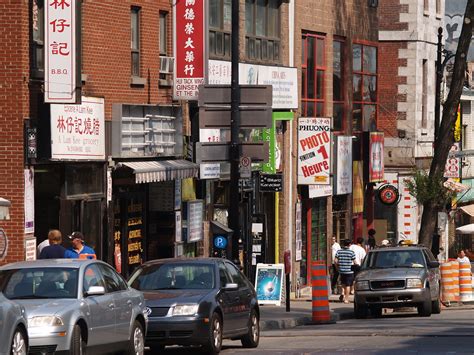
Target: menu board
135, 229
194, 222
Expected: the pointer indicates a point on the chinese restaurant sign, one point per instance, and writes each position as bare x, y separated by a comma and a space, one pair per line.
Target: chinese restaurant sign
60, 65
78, 131
314, 151
189, 29
376, 164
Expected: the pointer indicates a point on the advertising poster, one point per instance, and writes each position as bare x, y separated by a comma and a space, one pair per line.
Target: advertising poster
343, 178
189, 47
314, 151
453, 164
269, 283
298, 233
29, 201
376, 164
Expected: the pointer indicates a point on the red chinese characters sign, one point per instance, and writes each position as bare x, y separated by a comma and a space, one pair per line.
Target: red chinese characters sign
189, 29
60, 51
376, 163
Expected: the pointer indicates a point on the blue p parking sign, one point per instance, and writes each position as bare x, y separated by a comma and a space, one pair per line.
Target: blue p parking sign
220, 242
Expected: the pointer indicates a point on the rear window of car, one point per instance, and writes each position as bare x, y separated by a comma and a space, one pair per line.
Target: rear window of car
173, 276
36, 283
400, 258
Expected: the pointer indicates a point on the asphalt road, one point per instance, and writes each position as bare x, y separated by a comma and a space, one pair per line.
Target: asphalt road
451, 332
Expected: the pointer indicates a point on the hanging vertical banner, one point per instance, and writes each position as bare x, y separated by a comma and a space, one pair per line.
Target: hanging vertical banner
357, 187
376, 164
453, 164
60, 66
298, 233
343, 177
29, 201
189, 18
314, 151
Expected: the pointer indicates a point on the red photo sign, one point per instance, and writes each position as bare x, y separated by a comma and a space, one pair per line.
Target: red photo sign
189, 45
376, 163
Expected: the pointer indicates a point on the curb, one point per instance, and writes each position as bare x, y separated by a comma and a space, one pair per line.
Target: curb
295, 322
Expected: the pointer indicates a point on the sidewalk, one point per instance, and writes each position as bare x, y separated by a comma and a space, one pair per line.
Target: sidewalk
273, 317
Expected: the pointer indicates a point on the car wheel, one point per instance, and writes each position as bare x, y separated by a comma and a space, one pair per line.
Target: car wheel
436, 305
376, 312
137, 340
19, 343
424, 309
360, 311
78, 344
214, 342
252, 338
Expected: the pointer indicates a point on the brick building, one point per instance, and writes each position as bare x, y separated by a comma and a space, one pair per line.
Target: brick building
407, 48
336, 52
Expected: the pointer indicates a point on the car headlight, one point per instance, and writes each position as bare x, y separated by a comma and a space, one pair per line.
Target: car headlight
43, 321
185, 309
414, 283
362, 285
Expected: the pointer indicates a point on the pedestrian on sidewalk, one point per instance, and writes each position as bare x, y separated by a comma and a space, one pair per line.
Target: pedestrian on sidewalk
79, 250
345, 258
360, 254
371, 243
334, 273
54, 250
462, 258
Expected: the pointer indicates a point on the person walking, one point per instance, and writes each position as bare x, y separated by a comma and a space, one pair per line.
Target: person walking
371, 239
345, 258
79, 250
334, 273
462, 258
54, 250
360, 254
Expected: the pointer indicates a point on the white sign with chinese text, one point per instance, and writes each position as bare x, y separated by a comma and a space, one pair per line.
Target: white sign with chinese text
78, 131
314, 151
343, 177
453, 164
284, 80
60, 65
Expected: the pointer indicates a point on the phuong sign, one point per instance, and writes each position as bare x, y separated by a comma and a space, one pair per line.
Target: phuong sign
343, 178
78, 131
60, 65
376, 164
314, 151
189, 48
452, 163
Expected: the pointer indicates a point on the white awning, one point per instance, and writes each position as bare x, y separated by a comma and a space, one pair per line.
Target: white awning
466, 229
469, 209
163, 170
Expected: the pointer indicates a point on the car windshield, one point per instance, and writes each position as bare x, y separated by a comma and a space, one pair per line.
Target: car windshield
394, 259
38, 283
173, 276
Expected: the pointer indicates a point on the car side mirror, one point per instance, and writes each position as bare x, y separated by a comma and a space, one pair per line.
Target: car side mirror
433, 264
231, 287
96, 291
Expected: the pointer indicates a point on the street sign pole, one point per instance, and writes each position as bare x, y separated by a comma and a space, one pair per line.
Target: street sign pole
234, 134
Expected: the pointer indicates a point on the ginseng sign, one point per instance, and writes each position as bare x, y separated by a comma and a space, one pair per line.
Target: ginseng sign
314, 151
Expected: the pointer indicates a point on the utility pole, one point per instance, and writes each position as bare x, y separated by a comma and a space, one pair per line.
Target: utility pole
234, 134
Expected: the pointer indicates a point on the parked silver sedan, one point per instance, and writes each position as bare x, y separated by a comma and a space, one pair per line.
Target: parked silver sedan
73, 305
13, 335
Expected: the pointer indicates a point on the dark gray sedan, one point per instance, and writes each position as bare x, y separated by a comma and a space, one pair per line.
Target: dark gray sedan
74, 305
13, 334
197, 302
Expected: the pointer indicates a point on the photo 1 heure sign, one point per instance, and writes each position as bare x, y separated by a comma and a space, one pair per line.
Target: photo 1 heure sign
314, 151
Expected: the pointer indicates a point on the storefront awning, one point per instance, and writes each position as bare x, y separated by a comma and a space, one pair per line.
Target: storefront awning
163, 170
469, 209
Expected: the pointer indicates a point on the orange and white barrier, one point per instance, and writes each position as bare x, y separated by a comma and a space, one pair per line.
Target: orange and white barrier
447, 283
465, 282
455, 276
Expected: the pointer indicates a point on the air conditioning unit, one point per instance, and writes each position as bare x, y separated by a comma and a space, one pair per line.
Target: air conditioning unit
166, 65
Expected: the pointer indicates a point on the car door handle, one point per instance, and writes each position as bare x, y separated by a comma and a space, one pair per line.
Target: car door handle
111, 306
129, 303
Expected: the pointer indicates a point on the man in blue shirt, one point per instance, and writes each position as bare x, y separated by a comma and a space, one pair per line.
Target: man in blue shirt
345, 258
79, 250
54, 250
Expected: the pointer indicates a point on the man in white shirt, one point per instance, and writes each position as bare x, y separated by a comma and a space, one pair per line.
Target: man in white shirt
335, 274
462, 258
360, 253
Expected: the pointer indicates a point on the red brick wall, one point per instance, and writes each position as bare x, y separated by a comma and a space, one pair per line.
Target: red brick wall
388, 87
389, 15
13, 109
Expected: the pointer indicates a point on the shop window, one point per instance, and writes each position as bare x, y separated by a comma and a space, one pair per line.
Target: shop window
135, 40
339, 217
84, 179
38, 38
163, 33
364, 88
262, 27
313, 70
220, 26
338, 87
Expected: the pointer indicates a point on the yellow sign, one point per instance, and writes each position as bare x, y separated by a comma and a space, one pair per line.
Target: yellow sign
457, 127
